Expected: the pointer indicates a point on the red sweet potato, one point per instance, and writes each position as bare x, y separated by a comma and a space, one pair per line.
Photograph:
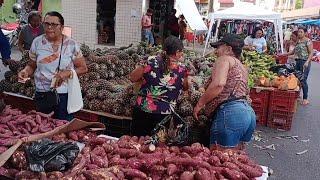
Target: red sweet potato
187, 175
133, 173
38, 119
202, 174
97, 160
54, 175
92, 166
174, 149
3, 149
73, 135
108, 148
127, 153
134, 163
31, 122
96, 141
6, 119
231, 174
134, 139
35, 130
231, 165
158, 169
11, 126
172, 169
28, 126
99, 150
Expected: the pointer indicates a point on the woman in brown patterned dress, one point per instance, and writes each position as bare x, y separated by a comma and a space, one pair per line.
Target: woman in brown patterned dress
225, 99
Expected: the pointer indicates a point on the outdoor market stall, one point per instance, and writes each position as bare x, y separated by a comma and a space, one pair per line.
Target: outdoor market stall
251, 12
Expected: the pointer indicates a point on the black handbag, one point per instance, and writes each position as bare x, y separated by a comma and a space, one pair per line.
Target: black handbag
46, 102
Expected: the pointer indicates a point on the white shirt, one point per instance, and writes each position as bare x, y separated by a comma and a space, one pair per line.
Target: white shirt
259, 43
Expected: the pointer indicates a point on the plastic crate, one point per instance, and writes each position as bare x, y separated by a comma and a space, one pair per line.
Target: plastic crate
280, 120
116, 127
283, 101
86, 116
260, 104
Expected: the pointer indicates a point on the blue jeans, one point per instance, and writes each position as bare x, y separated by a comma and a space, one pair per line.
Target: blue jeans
147, 36
234, 122
304, 83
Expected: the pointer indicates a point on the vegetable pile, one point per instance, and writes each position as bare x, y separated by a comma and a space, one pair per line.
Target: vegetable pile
133, 158
15, 125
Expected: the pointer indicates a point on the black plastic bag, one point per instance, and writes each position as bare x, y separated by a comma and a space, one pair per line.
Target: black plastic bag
172, 130
46, 155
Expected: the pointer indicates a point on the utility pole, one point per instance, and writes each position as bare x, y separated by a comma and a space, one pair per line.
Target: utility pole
210, 9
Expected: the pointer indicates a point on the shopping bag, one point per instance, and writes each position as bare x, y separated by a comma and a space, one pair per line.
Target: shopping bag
75, 102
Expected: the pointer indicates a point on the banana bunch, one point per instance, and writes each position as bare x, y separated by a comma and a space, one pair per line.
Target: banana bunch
258, 65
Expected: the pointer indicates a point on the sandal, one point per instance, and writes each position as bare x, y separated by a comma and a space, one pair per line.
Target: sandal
305, 102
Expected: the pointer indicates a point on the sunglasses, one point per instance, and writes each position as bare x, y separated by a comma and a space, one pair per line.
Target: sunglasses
48, 25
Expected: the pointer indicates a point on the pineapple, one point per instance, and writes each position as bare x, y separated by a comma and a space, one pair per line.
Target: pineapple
119, 72
91, 93
95, 105
93, 67
85, 49
104, 94
185, 109
16, 87
195, 96
94, 76
117, 109
8, 75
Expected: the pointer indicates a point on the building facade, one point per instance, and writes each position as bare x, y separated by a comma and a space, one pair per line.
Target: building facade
81, 17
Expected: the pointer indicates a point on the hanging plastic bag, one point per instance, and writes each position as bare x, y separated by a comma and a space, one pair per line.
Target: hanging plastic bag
46, 155
75, 102
172, 130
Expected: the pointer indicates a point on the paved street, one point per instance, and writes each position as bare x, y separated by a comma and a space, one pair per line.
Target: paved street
285, 163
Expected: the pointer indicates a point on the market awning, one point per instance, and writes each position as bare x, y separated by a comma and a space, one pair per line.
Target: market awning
192, 15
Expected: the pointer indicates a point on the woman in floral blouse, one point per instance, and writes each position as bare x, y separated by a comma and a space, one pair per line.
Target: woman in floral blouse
163, 79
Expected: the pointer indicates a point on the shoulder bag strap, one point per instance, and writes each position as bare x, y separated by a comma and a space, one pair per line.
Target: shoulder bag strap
58, 68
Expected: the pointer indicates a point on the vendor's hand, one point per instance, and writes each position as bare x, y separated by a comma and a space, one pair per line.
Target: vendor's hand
196, 111
22, 75
60, 77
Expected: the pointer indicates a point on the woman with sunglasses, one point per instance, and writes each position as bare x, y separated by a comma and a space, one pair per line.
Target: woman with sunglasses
225, 98
53, 57
30, 31
163, 79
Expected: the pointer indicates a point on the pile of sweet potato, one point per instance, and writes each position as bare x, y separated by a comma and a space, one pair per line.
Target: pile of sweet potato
132, 158
15, 125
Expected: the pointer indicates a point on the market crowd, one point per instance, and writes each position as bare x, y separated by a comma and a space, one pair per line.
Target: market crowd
55, 58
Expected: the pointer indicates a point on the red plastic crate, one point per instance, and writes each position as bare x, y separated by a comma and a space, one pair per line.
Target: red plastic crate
283, 100
86, 116
260, 103
280, 120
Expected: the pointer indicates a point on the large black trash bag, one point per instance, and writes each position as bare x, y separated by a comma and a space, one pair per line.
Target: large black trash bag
46, 155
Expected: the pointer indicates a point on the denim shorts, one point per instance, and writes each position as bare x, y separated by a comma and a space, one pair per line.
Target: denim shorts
234, 122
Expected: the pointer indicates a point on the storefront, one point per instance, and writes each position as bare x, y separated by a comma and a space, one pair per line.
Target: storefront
112, 23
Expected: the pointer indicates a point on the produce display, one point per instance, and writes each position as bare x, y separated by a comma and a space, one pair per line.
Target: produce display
15, 125
134, 158
282, 83
11, 84
259, 65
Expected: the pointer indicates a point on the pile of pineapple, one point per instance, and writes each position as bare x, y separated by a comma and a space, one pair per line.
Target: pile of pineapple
10, 82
